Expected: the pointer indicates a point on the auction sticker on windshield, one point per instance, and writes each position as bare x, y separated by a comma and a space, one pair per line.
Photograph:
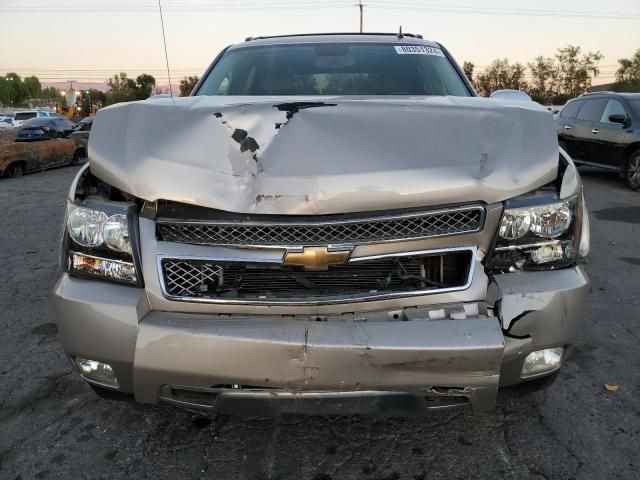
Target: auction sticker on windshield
418, 50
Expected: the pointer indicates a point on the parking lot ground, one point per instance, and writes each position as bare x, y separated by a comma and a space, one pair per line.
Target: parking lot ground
53, 426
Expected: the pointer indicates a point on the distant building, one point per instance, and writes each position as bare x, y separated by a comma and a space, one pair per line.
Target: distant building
605, 87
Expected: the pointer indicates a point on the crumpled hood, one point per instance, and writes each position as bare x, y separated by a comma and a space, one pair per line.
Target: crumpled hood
281, 155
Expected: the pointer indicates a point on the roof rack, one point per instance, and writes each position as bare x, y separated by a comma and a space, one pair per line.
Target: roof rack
586, 94
412, 35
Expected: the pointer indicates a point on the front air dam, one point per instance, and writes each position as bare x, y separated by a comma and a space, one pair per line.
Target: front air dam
200, 351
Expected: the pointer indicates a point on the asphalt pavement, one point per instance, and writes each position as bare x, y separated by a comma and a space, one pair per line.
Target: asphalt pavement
53, 426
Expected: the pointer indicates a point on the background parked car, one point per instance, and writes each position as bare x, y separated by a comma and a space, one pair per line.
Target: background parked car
6, 121
602, 129
38, 145
80, 137
20, 117
54, 126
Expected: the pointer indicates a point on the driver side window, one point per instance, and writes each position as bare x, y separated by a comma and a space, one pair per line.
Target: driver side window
613, 107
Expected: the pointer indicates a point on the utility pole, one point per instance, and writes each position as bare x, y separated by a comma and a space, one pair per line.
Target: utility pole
361, 7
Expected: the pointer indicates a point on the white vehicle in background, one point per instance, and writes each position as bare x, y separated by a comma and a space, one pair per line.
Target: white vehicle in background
21, 116
6, 121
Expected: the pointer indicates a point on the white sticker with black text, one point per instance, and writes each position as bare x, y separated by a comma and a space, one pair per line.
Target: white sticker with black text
418, 50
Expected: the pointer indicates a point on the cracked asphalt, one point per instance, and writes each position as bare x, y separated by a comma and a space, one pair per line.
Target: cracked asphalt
53, 426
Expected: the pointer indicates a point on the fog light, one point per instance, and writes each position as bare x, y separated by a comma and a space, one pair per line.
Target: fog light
542, 361
97, 371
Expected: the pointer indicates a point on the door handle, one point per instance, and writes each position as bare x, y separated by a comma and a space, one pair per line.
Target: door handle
594, 130
568, 127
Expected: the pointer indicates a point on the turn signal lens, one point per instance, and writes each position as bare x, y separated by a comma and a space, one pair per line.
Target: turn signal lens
103, 267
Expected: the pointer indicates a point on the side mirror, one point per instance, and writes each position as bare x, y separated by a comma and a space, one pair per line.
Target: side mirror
618, 118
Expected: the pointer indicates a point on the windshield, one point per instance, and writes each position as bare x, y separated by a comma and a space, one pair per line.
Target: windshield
25, 115
334, 69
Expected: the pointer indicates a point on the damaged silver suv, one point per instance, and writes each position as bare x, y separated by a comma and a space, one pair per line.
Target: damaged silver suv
329, 223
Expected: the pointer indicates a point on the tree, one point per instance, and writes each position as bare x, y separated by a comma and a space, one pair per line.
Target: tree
121, 88
50, 93
33, 87
124, 89
499, 75
12, 90
628, 74
144, 86
187, 84
543, 78
98, 97
5, 92
468, 68
574, 72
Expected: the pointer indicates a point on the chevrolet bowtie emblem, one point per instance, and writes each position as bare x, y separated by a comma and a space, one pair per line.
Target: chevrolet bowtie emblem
316, 258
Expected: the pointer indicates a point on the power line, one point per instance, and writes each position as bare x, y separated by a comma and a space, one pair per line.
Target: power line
380, 4
173, 9
465, 9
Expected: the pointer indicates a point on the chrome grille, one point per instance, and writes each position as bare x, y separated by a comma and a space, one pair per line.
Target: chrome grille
419, 273
324, 232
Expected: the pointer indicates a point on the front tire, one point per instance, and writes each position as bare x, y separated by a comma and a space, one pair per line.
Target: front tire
15, 170
79, 157
632, 170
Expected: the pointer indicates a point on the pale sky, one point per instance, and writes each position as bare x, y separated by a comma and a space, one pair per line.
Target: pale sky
89, 40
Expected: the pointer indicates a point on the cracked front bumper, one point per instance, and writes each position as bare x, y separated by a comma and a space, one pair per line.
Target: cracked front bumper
238, 362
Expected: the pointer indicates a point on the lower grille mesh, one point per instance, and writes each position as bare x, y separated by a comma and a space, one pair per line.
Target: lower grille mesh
203, 279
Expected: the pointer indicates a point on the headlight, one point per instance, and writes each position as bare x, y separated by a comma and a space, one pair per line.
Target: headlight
98, 243
85, 226
546, 221
115, 232
539, 236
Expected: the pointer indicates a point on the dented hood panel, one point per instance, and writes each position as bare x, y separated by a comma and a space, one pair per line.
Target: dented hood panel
325, 155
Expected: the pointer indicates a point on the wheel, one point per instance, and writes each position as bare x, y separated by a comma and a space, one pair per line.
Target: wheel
632, 171
79, 157
15, 170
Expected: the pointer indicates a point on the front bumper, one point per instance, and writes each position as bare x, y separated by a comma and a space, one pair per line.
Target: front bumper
234, 362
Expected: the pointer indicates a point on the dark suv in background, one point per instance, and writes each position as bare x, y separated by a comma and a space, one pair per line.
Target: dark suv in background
602, 129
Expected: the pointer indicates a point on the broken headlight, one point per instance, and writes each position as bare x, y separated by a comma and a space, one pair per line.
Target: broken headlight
540, 233
99, 240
